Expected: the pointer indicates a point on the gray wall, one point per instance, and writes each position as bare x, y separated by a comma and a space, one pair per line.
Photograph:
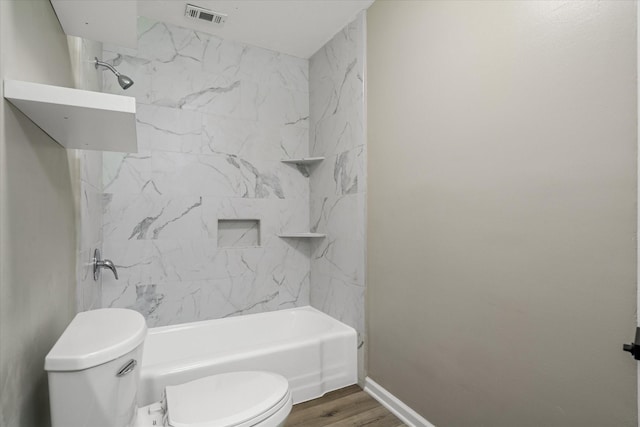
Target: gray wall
502, 210
37, 231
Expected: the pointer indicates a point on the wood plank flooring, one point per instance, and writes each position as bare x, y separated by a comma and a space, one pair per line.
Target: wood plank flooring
347, 407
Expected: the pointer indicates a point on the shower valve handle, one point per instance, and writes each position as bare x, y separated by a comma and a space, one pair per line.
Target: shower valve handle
99, 264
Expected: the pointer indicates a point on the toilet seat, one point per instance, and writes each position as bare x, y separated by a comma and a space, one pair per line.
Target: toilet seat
236, 399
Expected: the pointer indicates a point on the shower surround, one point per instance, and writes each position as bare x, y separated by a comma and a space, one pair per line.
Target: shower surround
215, 118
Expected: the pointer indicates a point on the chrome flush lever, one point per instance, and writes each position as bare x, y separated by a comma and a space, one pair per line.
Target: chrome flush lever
99, 264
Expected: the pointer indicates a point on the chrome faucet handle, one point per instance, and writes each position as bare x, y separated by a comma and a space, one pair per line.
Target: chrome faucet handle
99, 264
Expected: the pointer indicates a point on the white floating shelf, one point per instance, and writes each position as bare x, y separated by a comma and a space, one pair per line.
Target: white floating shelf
78, 118
302, 235
107, 21
304, 160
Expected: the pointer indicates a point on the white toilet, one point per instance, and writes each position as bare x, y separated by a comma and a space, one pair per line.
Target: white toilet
94, 371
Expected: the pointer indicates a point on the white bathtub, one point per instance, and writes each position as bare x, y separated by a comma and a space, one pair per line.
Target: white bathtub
315, 352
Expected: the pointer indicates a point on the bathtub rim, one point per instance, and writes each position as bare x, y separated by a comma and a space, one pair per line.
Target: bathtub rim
157, 330
338, 329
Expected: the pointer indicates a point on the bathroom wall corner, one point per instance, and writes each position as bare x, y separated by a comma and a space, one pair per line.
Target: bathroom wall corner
86, 169
338, 184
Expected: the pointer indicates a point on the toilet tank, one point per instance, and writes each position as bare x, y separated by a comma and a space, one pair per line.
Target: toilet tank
94, 369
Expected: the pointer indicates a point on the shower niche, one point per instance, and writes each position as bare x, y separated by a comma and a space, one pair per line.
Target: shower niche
238, 233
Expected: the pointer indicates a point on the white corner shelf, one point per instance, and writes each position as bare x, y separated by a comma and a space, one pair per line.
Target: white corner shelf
303, 161
107, 21
302, 235
77, 118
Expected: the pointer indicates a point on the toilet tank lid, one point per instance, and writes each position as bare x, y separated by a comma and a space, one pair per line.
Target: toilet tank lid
96, 337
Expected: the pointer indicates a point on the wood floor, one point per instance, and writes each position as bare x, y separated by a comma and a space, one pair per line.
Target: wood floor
347, 407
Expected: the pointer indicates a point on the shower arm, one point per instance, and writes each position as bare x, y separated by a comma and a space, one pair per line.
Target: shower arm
106, 65
125, 82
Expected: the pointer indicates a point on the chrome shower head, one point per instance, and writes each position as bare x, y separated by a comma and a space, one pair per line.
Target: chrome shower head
125, 82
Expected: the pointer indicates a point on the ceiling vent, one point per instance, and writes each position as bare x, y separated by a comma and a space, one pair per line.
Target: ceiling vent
201, 14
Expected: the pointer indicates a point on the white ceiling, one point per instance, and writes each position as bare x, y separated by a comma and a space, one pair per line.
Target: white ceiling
296, 27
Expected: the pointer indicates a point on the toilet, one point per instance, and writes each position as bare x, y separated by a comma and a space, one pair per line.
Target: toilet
94, 372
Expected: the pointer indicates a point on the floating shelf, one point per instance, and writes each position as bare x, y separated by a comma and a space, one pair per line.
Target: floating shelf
303, 161
302, 235
107, 21
77, 118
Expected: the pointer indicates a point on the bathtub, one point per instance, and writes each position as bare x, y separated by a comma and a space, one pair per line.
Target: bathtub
315, 352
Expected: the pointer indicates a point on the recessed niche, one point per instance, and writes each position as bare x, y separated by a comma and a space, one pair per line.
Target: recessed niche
238, 233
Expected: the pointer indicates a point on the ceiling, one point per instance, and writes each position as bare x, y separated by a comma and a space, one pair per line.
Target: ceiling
295, 27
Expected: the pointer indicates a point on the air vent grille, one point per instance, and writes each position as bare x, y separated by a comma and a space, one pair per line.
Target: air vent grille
202, 14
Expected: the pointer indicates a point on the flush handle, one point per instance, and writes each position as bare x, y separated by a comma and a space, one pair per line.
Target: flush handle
127, 368
634, 347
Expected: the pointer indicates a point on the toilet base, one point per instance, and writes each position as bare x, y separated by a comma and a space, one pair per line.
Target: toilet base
153, 415
149, 416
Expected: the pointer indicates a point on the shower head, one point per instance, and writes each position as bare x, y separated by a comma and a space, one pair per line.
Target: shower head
125, 82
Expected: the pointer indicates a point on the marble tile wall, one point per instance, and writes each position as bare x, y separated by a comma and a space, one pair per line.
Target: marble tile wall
215, 118
338, 184
88, 168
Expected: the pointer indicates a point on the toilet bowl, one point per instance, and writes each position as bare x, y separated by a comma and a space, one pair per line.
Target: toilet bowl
239, 399
94, 371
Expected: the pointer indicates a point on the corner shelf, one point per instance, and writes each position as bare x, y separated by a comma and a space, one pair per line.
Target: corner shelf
77, 118
302, 235
303, 161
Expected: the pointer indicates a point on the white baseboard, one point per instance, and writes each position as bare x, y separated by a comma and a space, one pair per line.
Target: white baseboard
395, 405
